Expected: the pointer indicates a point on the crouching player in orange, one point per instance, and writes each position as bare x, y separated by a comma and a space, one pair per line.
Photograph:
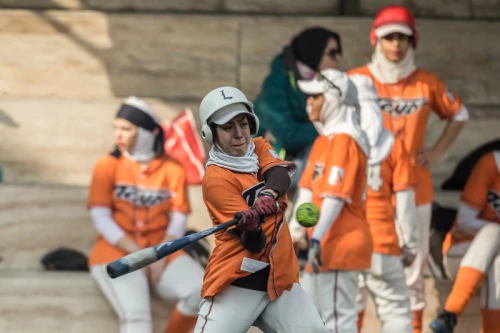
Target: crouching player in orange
472, 249
252, 275
390, 174
334, 180
138, 198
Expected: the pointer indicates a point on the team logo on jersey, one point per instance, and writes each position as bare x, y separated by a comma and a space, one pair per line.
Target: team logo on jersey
336, 176
319, 169
401, 107
141, 197
494, 201
251, 193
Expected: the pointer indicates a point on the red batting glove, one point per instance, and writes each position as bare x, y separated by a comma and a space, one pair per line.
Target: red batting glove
266, 204
249, 219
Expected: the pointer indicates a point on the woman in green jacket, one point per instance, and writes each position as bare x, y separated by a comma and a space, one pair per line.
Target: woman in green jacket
281, 106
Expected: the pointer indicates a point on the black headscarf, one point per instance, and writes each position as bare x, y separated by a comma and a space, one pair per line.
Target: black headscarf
308, 46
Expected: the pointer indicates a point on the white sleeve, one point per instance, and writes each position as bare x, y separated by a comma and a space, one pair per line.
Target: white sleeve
467, 217
406, 219
296, 230
330, 210
177, 224
105, 225
462, 115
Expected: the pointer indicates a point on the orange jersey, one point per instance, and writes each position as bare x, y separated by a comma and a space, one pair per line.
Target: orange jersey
394, 173
337, 167
140, 200
226, 192
406, 106
482, 192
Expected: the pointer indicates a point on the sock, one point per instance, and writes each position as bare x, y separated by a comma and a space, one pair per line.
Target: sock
490, 321
361, 316
467, 281
180, 323
417, 321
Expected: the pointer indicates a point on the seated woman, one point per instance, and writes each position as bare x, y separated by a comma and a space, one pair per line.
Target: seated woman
252, 274
138, 198
472, 249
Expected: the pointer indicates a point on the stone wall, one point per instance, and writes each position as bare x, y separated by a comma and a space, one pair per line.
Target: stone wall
65, 72
463, 9
86, 54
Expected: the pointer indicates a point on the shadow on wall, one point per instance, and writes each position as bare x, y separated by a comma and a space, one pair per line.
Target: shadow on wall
146, 54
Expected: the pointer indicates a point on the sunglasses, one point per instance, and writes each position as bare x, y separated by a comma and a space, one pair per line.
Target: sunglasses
333, 53
396, 36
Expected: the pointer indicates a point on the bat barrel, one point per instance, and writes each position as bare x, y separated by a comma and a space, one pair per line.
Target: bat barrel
145, 257
132, 262
117, 268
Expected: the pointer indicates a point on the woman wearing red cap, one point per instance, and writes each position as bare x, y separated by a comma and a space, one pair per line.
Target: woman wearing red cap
407, 95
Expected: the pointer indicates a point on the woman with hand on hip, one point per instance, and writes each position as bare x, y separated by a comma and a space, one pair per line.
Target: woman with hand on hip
252, 274
408, 95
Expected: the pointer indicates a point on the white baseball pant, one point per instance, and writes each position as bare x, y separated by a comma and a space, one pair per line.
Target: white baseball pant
415, 273
334, 295
236, 309
385, 282
482, 254
129, 295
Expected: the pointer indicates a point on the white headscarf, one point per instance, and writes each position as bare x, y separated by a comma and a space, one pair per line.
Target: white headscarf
339, 113
388, 72
372, 121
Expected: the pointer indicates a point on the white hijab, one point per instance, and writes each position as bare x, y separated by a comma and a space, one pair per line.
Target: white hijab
388, 72
372, 121
339, 113
249, 163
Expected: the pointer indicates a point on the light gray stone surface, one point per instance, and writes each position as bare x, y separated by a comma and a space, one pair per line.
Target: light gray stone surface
324, 7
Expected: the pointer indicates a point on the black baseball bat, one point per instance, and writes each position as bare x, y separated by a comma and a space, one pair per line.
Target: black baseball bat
142, 258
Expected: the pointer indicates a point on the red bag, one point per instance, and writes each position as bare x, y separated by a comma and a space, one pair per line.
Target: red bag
183, 143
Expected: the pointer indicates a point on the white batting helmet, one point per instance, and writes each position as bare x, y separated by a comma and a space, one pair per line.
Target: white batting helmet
221, 105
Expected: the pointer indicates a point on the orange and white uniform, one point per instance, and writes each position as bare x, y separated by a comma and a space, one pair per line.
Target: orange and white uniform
391, 178
348, 244
140, 201
472, 261
143, 204
407, 95
335, 181
406, 106
226, 192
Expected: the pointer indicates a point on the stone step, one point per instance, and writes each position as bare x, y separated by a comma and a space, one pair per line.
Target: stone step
37, 219
72, 303
91, 54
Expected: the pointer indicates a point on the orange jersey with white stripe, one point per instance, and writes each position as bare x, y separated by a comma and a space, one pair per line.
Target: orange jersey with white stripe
140, 200
394, 173
226, 192
406, 106
337, 167
482, 192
